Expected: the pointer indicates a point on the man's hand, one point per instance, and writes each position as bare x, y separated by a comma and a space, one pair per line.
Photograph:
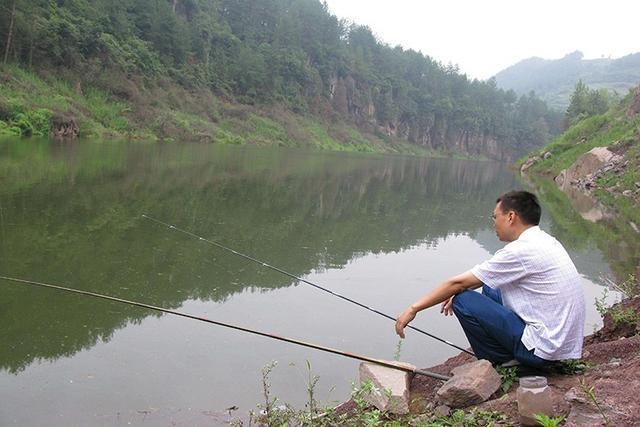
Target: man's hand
447, 307
403, 320
443, 292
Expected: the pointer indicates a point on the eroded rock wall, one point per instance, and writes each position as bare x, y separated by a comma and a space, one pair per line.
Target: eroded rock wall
353, 99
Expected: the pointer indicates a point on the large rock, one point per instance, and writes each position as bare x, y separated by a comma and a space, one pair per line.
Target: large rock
63, 126
391, 391
471, 384
530, 162
586, 165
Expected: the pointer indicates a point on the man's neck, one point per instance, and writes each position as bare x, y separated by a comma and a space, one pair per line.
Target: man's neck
520, 230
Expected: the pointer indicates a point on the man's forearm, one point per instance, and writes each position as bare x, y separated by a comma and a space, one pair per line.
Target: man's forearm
444, 291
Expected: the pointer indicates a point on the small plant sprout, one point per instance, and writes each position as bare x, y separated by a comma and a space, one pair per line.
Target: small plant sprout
589, 391
601, 303
311, 386
396, 355
547, 421
628, 287
270, 403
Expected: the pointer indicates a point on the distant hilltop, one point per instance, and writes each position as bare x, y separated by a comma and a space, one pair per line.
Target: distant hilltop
554, 80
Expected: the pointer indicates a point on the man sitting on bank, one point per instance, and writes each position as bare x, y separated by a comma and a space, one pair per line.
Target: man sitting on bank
531, 310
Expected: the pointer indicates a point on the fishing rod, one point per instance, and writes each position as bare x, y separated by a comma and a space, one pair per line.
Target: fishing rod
300, 279
231, 326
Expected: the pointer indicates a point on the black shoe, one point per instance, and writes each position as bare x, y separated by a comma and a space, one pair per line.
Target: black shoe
530, 371
511, 363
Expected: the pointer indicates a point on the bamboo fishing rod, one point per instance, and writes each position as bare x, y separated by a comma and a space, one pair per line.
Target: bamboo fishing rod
300, 279
231, 326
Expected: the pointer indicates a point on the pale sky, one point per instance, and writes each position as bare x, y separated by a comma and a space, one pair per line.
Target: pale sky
485, 36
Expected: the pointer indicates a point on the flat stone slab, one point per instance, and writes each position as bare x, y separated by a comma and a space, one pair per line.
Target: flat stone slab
391, 391
471, 384
583, 412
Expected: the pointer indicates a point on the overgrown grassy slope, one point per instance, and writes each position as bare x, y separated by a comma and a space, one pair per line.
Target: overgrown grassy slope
170, 112
619, 130
616, 129
27, 102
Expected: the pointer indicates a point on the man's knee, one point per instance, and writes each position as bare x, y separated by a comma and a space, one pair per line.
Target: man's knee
462, 300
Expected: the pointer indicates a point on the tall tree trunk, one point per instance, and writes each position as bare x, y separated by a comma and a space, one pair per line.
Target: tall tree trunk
32, 41
31, 47
175, 3
10, 34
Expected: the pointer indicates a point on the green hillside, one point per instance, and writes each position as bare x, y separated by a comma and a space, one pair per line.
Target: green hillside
282, 72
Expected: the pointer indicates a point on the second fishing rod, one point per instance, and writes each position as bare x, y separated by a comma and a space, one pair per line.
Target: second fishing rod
300, 279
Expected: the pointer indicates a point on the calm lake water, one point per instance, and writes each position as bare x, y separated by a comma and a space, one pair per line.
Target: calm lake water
379, 229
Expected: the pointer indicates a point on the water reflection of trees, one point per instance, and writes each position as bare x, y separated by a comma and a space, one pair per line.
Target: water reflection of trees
73, 216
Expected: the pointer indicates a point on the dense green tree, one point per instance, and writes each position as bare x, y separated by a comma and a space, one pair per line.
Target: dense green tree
586, 102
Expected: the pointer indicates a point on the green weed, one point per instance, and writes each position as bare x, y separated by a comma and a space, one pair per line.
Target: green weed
620, 315
23, 122
546, 421
311, 386
573, 366
111, 114
509, 376
224, 137
267, 132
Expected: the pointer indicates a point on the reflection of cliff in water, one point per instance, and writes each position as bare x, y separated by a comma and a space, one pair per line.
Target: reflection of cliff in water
587, 206
72, 215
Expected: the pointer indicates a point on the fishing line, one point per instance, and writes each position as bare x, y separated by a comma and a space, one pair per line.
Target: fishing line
231, 326
300, 279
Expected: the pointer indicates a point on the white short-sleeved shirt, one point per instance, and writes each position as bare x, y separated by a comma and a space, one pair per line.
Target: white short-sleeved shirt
541, 285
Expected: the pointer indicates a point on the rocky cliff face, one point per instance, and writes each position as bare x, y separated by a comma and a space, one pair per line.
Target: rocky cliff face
352, 98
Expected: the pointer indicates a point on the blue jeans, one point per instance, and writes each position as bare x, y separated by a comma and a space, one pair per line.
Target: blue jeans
493, 330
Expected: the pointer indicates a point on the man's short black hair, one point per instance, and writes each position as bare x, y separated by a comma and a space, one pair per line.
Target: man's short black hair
525, 204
